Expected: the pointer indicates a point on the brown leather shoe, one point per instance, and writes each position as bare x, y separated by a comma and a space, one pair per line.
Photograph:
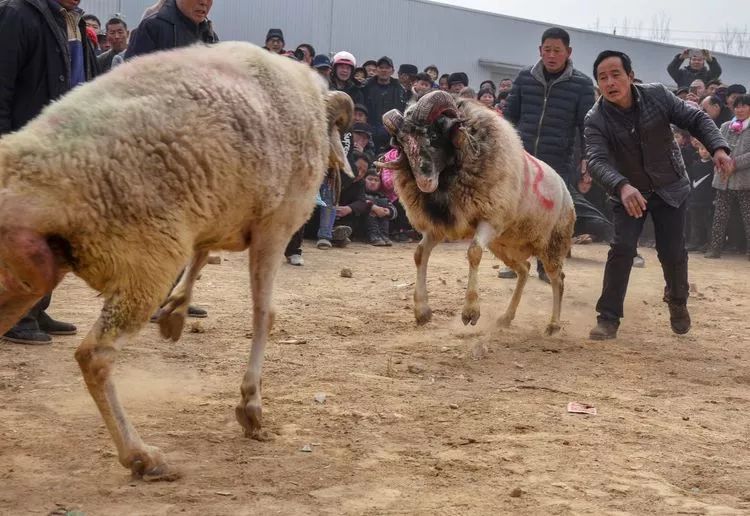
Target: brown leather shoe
679, 318
604, 330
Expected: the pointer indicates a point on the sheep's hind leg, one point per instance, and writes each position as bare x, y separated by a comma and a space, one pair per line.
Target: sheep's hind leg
521, 268
171, 316
557, 279
266, 252
482, 237
422, 311
96, 355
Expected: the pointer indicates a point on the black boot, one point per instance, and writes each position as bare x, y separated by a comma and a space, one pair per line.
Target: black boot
49, 325
679, 318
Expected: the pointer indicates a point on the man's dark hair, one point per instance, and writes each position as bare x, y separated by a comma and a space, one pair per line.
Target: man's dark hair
741, 100
505, 79
714, 100
358, 155
556, 33
309, 47
115, 21
91, 17
444, 76
431, 67
717, 82
423, 77
627, 64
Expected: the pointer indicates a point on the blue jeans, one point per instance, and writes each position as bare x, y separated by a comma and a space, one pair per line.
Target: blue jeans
327, 212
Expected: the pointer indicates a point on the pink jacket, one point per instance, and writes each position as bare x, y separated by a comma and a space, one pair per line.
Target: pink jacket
387, 176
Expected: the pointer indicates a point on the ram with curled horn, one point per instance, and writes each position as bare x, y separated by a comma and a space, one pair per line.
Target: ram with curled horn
463, 174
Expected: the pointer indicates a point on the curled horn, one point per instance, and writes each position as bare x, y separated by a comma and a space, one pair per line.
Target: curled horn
433, 105
399, 163
392, 121
340, 110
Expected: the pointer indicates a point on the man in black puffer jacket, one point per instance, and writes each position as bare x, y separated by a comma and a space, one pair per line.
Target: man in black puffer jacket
631, 152
178, 23
547, 104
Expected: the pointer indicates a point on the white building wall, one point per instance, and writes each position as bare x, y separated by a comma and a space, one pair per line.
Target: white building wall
420, 32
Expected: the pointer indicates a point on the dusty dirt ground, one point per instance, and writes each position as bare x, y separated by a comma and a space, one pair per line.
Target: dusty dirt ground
435, 420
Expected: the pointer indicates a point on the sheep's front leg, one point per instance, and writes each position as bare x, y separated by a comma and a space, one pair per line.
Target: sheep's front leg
172, 314
96, 357
422, 312
483, 235
266, 252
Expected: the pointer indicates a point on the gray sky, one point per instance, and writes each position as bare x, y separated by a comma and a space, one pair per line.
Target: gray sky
692, 22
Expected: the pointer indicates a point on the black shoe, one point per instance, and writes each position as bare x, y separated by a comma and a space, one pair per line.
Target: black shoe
30, 337
507, 273
712, 254
679, 318
543, 276
198, 313
604, 330
48, 325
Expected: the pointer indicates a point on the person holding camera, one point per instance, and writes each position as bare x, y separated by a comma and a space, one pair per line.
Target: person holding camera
696, 68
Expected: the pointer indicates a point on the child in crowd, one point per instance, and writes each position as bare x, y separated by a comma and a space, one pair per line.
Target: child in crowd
382, 211
701, 173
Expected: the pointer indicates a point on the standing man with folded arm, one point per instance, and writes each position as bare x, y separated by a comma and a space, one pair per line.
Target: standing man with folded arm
631, 152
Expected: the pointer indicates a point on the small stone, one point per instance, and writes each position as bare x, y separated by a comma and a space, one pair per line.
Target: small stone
223, 493
214, 260
453, 406
320, 397
516, 493
306, 448
415, 369
686, 418
292, 341
346, 272
442, 281
496, 266
197, 327
517, 365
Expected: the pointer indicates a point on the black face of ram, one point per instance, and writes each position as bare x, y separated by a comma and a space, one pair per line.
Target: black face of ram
429, 151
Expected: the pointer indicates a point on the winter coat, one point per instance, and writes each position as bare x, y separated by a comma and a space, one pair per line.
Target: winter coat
379, 100
105, 60
388, 177
548, 116
644, 154
740, 145
701, 175
34, 60
352, 88
168, 29
684, 76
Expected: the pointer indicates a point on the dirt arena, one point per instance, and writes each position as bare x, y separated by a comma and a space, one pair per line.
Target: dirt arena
435, 420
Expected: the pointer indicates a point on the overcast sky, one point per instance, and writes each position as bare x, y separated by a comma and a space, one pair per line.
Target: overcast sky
691, 22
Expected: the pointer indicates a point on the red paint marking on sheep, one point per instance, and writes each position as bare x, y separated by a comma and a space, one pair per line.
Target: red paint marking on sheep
546, 202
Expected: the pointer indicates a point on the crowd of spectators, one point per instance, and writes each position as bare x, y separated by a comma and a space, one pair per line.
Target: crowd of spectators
367, 207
